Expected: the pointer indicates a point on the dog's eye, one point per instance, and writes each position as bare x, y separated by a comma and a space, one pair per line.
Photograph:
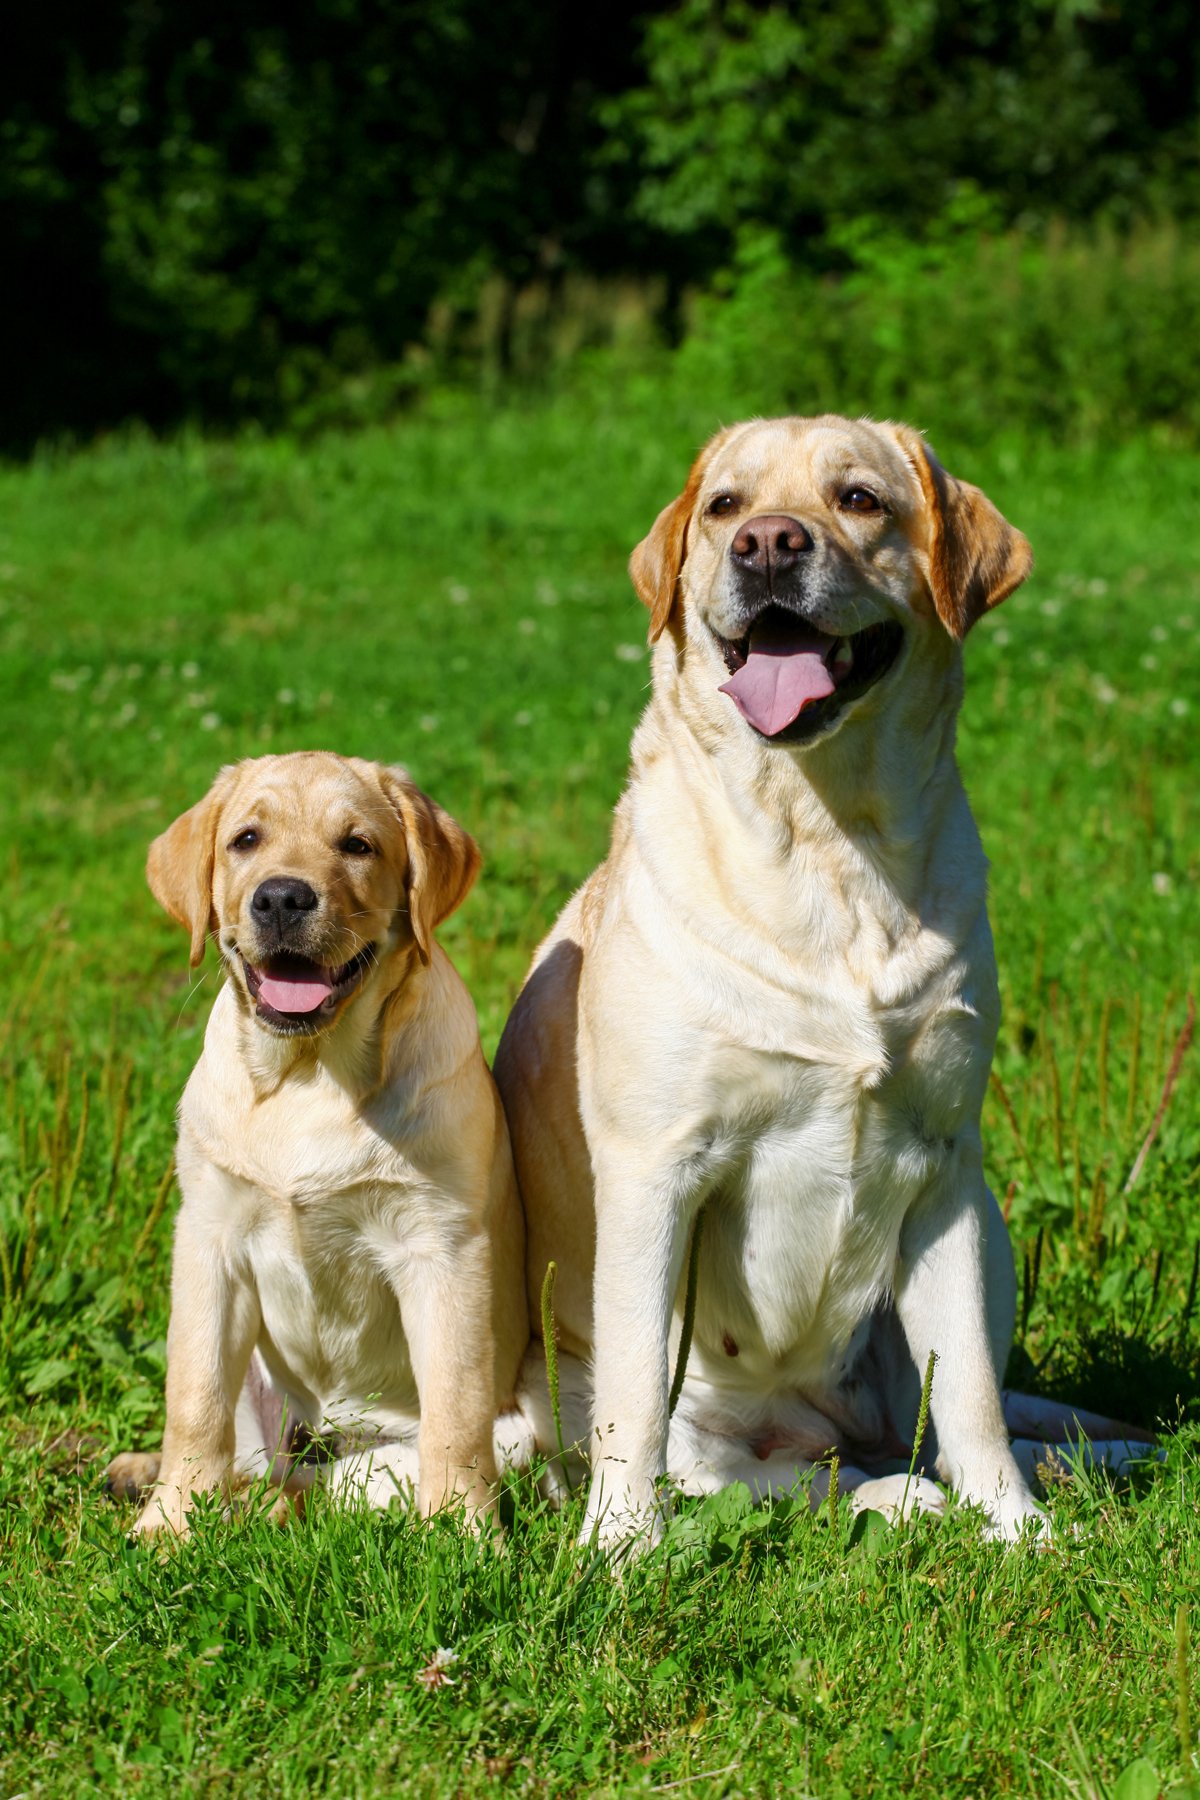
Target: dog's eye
245, 840
722, 504
357, 846
860, 500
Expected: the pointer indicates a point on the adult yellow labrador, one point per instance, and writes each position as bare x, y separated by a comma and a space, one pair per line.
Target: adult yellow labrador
348, 1267
777, 1001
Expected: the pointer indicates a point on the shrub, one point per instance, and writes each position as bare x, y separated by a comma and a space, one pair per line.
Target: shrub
1080, 336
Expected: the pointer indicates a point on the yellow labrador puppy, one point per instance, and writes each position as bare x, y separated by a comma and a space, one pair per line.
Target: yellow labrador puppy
777, 1000
349, 1250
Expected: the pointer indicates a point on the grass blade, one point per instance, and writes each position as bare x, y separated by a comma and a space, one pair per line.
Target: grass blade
922, 1422
689, 1316
1184, 1039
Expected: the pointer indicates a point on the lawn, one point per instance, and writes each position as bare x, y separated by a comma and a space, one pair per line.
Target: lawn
450, 593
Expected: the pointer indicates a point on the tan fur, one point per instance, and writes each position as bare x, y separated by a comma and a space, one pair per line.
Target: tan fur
350, 1217
655, 564
975, 558
777, 1000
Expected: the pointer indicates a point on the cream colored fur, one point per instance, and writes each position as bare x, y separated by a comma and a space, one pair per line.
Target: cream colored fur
349, 1218
777, 1000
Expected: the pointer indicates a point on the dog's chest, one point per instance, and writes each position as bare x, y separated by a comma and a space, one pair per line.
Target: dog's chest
325, 1215
328, 1279
303, 1143
802, 1232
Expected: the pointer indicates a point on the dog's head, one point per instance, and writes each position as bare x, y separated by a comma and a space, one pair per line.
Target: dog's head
311, 870
813, 553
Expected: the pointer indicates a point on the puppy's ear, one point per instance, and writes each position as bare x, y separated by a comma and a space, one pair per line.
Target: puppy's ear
655, 565
443, 859
976, 558
179, 867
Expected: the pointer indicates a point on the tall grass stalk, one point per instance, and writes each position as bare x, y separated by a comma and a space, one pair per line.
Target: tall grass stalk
1096, 1210
1102, 1063
77, 1157
153, 1216
922, 1422
1181, 1046
122, 1110
1183, 1685
1135, 1058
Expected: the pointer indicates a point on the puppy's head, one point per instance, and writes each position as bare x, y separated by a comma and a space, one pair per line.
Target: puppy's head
813, 553
311, 869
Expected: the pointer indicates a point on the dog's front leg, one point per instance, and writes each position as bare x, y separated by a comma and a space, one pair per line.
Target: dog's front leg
215, 1322
446, 1308
641, 1239
941, 1299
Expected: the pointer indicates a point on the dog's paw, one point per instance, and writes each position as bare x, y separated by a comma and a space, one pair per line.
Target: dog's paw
886, 1495
623, 1531
165, 1527
131, 1475
286, 1509
1013, 1521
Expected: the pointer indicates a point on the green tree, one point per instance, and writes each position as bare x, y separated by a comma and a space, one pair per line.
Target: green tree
805, 115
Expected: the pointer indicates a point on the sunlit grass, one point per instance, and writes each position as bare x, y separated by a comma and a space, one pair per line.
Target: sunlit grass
451, 594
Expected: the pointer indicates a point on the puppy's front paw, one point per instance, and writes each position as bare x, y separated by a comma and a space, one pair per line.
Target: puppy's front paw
168, 1523
131, 1475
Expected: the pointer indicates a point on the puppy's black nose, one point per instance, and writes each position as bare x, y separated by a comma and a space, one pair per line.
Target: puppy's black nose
772, 544
282, 901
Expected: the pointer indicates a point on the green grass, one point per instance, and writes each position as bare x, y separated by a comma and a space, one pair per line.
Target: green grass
451, 593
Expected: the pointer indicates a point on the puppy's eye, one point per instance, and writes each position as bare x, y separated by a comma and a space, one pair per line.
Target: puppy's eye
357, 846
722, 504
245, 840
860, 500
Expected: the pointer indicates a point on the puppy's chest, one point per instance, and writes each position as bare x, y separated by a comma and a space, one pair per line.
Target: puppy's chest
325, 1217
302, 1147
327, 1278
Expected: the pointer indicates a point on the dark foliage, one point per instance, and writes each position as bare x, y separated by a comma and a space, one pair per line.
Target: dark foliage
1129, 1375
220, 210
207, 205
808, 115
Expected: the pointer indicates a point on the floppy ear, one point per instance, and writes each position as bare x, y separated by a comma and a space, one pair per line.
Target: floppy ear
443, 859
179, 867
655, 565
976, 558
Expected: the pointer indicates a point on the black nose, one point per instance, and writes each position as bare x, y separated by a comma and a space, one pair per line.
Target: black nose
282, 901
772, 544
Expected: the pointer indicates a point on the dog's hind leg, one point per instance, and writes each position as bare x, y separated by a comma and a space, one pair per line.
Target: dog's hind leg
270, 1426
265, 1421
704, 1462
132, 1474
1032, 1416
1041, 1462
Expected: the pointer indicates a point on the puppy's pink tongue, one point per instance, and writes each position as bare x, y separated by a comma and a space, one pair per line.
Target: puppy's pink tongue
301, 993
780, 677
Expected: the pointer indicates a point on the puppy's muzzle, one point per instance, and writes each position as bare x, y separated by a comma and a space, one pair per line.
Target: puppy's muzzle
282, 907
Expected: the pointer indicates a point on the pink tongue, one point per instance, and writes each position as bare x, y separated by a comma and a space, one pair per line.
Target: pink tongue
779, 679
295, 993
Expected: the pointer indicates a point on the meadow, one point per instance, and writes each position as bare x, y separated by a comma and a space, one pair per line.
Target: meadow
449, 592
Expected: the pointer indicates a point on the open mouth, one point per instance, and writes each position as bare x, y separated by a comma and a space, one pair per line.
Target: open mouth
789, 680
294, 994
